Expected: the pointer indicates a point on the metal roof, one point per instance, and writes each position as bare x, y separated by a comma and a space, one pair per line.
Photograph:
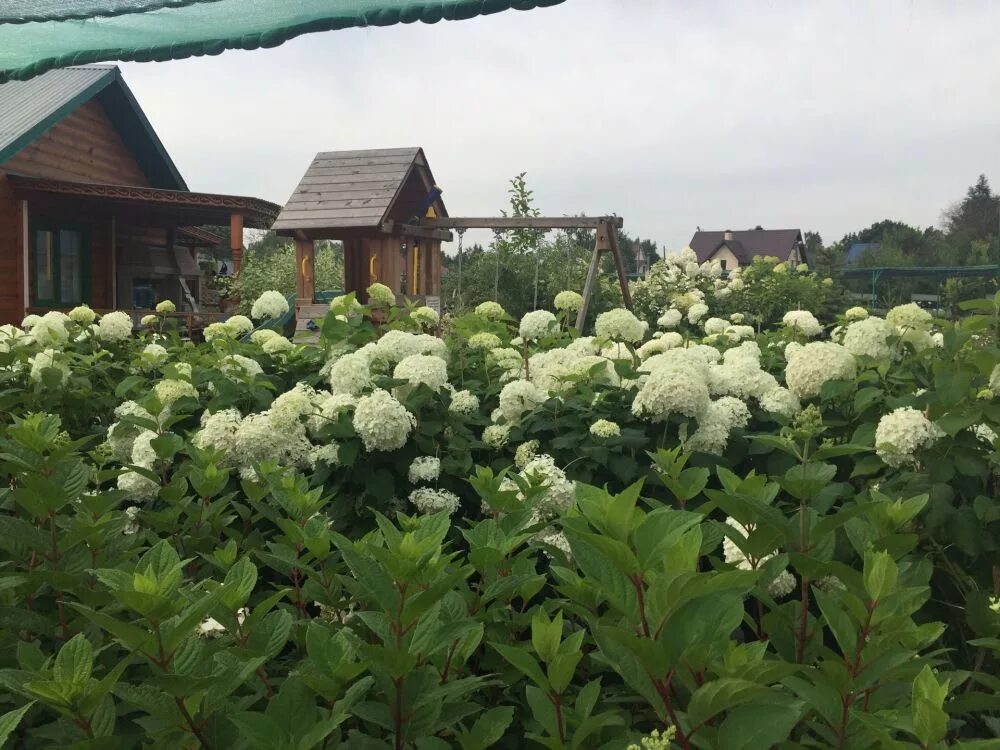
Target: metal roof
358, 189
29, 108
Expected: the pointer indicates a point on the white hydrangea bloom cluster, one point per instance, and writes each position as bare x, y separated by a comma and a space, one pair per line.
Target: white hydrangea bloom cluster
605, 428
425, 316
238, 365
327, 408
902, 433
380, 295
721, 418
82, 315
424, 469
428, 500
715, 326
263, 335
395, 346
423, 369
240, 324
803, 321
620, 325
783, 584
464, 402
525, 453
568, 302
780, 401
674, 386
50, 330
696, 312
276, 345
869, 337
170, 390
496, 435
816, 363
122, 434
165, 306
219, 332
382, 423
291, 407
507, 359
519, 397
560, 492
114, 327
985, 433
218, 431
855, 313
136, 486
910, 315
490, 311
483, 341
350, 374
152, 356
269, 305
671, 318
537, 324
48, 359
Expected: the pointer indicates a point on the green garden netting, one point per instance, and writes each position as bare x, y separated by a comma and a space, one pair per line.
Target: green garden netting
37, 35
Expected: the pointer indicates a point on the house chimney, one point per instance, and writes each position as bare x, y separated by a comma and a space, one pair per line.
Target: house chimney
727, 235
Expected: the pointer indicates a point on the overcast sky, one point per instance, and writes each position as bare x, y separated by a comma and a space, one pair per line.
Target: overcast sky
820, 115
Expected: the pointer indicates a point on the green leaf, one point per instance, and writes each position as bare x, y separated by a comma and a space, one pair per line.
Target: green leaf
524, 662
239, 583
930, 722
880, 575
74, 661
546, 634
491, 725
757, 725
10, 720
719, 695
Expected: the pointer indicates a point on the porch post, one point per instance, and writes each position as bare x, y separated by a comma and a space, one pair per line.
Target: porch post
236, 241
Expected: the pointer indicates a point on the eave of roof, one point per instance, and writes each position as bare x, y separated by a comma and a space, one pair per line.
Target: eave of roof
256, 212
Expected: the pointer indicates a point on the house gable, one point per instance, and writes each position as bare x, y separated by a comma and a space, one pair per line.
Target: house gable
82, 147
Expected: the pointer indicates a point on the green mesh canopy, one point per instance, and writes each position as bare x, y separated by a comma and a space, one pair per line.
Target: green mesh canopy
37, 35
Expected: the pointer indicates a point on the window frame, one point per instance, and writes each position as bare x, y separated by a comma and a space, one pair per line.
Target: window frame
37, 225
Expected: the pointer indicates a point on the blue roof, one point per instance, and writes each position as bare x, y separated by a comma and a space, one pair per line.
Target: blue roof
855, 251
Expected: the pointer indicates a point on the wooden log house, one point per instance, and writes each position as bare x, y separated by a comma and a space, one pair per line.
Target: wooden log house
93, 209
364, 199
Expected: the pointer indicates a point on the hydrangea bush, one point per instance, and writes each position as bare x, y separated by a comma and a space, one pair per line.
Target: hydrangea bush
677, 532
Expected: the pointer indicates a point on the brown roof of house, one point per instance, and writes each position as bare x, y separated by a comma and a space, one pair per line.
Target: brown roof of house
358, 190
747, 245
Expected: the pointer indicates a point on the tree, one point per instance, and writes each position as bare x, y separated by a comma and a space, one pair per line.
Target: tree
975, 217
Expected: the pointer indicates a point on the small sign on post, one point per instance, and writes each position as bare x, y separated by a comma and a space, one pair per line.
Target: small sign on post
433, 302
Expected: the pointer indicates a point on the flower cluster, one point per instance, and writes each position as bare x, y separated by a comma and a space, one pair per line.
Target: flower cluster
901, 434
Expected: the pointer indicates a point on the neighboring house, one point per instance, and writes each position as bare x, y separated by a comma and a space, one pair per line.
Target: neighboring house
856, 250
92, 208
735, 249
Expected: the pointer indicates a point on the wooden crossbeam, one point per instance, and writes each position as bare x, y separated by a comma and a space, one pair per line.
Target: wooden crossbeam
519, 222
416, 230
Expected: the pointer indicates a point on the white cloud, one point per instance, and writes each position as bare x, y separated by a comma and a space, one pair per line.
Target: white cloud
820, 115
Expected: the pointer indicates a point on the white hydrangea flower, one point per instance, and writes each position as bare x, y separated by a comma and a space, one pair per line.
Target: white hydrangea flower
985, 433
428, 500
568, 301
122, 435
804, 321
350, 374
782, 585
620, 325
382, 422
902, 433
50, 330
269, 305
289, 409
605, 428
170, 390
910, 315
48, 359
525, 453
490, 311
380, 295
722, 416
856, 313
148, 321
422, 368
736, 318
29, 321
328, 408
670, 319
426, 316
153, 355
114, 327
82, 315
464, 402
218, 332
519, 397
812, 365
696, 312
276, 345
560, 492
166, 306
715, 325
263, 335
537, 324
677, 387
869, 337
218, 431
395, 346
328, 454
781, 401
496, 435
237, 364
424, 469
137, 487
484, 341
131, 520
240, 324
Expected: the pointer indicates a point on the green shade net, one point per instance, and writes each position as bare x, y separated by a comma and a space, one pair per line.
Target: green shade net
37, 35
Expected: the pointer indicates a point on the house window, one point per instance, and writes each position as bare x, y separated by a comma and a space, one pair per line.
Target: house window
58, 266
723, 262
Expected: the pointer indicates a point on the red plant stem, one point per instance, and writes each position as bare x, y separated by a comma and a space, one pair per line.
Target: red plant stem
557, 702
854, 668
802, 635
663, 688
638, 582
447, 662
